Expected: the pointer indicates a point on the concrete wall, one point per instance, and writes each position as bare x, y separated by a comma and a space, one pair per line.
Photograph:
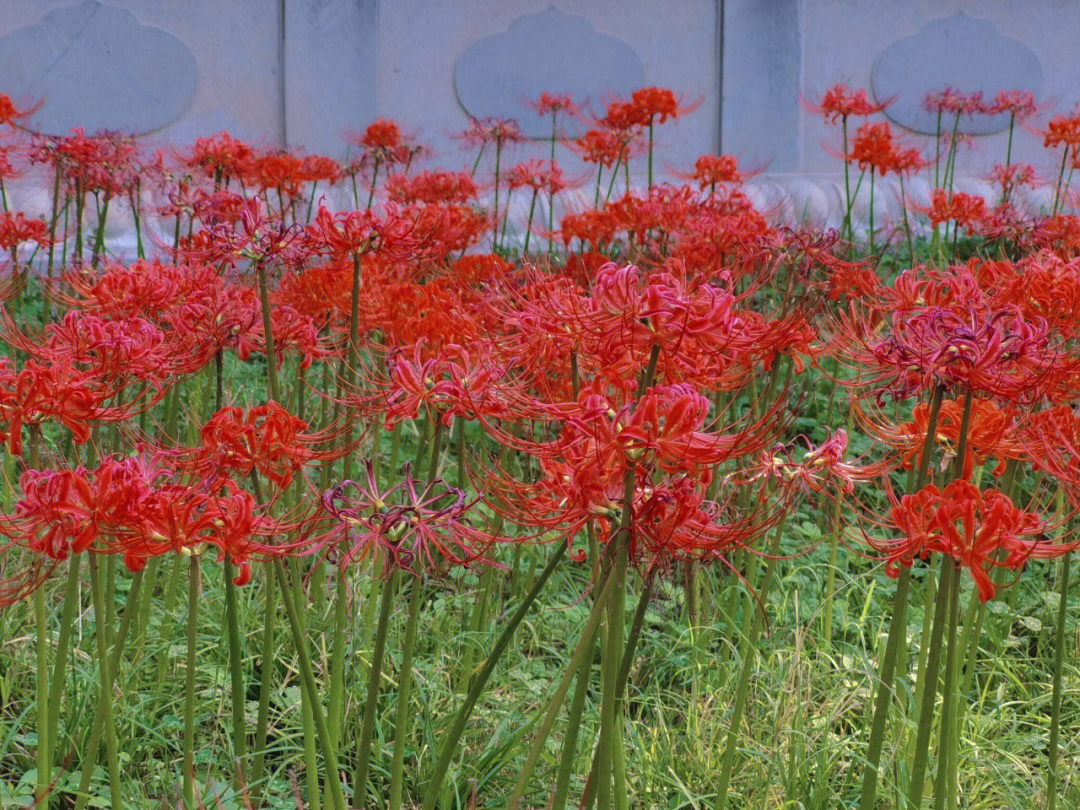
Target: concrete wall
305, 72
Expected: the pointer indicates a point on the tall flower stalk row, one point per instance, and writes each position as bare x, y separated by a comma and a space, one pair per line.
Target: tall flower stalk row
356, 411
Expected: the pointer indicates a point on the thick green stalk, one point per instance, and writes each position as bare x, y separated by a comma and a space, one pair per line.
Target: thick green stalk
333, 776
450, 742
609, 721
189, 681
266, 664
308, 699
946, 744
236, 660
928, 689
401, 719
44, 754
111, 748
1055, 701
650, 153
401, 714
90, 762
573, 729
476, 621
335, 710
57, 682
271, 358
845, 227
897, 631
583, 654
830, 576
367, 724
528, 225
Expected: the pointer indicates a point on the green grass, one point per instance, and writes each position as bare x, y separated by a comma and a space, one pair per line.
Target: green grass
800, 744
799, 747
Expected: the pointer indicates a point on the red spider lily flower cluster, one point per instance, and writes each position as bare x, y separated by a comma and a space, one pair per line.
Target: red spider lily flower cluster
419, 527
979, 529
968, 211
136, 507
839, 102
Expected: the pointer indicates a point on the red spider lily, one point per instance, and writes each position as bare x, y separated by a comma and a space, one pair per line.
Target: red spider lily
111, 351
1020, 104
674, 521
220, 155
553, 103
992, 432
1063, 130
1042, 285
383, 133
498, 131
431, 188
420, 527
952, 101
350, 233
293, 332
657, 104
980, 530
840, 103
16, 230
266, 439
11, 115
872, 146
55, 390
966, 210
539, 175
182, 519
320, 168
106, 162
451, 382
1013, 176
712, 170
282, 171
605, 147
992, 352
65, 512
819, 471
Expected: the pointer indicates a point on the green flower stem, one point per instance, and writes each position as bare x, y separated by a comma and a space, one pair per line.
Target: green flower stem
528, 225
272, 388
582, 654
333, 776
44, 755
947, 742
401, 714
1055, 701
573, 729
189, 681
236, 660
845, 227
610, 737
401, 720
450, 742
111, 748
927, 688
367, 725
266, 664
476, 621
897, 632
57, 679
172, 587
335, 710
92, 750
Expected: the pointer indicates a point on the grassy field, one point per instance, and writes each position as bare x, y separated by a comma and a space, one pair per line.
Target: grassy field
800, 742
